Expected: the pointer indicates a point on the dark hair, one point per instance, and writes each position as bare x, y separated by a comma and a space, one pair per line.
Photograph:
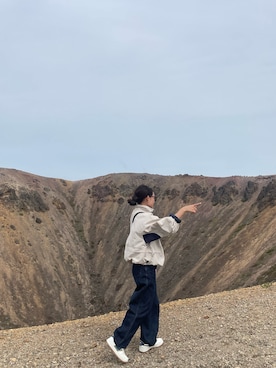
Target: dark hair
140, 194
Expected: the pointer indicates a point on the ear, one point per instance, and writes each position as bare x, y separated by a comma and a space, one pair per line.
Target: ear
147, 199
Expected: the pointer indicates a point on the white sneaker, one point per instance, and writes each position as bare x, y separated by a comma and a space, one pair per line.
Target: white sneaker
120, 353
143, 348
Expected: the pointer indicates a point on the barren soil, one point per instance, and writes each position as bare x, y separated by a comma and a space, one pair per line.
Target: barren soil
235, 329
62, 242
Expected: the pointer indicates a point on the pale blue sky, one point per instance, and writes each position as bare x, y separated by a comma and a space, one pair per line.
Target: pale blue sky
89, 88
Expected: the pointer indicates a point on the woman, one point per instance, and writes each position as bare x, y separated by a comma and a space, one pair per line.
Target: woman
144, 249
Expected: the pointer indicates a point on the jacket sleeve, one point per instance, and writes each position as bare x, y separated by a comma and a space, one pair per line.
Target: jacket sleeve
161, 226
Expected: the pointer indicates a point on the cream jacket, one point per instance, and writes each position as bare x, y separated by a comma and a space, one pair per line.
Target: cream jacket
143, 223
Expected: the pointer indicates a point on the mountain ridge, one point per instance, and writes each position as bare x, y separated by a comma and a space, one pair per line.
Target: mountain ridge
62, 242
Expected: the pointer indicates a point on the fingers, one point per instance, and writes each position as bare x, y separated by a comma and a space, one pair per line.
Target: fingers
194, 206
191, 207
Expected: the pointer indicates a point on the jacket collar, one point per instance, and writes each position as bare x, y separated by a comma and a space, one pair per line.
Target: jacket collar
140, 207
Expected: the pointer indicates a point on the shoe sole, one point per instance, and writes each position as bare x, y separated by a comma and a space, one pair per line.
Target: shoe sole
144, 348
111, 344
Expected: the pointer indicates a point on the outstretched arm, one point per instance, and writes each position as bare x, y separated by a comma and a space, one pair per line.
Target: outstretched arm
187, 208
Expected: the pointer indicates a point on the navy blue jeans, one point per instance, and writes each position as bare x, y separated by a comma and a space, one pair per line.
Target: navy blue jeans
143, 309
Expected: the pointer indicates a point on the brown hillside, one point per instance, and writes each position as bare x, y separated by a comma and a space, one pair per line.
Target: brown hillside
61, 242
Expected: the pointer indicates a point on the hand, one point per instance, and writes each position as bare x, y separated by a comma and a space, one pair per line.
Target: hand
192, 207
189, 208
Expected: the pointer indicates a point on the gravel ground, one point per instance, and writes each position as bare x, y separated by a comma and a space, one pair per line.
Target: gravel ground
234, 329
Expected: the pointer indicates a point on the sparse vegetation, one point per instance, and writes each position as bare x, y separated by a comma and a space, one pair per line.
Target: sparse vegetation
76, 233
267, 285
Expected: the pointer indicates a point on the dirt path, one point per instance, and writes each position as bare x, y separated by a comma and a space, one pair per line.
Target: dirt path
234, 329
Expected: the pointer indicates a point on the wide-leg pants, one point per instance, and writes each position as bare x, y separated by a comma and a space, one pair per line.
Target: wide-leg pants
143, 309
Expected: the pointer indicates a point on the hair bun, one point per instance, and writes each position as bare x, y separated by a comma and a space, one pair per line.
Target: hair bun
132, 202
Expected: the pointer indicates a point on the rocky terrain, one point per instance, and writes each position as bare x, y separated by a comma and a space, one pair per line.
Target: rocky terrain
62, 242
234, 329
